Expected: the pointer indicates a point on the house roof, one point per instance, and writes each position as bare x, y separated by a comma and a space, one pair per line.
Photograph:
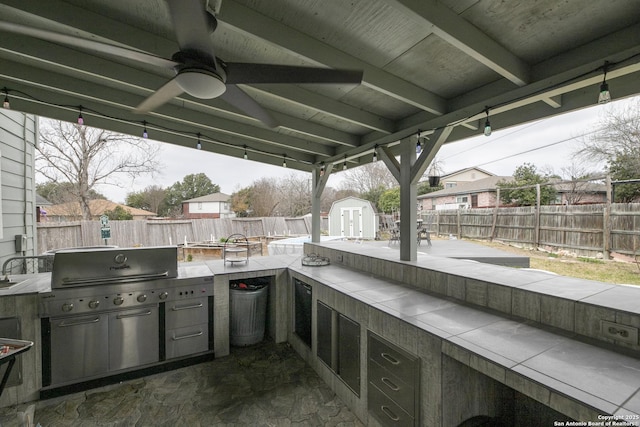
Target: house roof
584, 187
215, 197
478, 186
358, 199
41, 201
97, 208
447, 175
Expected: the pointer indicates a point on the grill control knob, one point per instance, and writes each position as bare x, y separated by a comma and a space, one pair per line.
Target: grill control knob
142, 298
94, 303
118, 300
163, 295
67, 306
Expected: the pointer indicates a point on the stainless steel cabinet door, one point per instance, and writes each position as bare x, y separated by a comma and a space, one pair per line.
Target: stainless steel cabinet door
79, 347
133, 338
349, 352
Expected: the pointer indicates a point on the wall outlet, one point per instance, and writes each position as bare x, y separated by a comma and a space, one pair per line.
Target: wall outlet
619, 332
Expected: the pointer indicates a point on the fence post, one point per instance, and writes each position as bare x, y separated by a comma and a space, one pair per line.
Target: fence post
495, 214
606, 220
536, 232
458, 223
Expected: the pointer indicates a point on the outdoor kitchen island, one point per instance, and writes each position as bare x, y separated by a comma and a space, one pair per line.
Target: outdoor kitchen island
526, 348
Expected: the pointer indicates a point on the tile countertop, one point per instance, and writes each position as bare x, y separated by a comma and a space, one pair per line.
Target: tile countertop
605, 380
22, 284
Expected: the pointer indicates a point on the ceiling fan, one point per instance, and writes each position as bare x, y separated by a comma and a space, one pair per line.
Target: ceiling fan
199, 72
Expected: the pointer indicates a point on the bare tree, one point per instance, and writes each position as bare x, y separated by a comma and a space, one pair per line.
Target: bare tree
264, 200
295, 195
617, 132
368, 178
577, 184
85, 157
616, 142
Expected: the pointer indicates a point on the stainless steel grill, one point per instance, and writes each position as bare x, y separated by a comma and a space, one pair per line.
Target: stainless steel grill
106, 312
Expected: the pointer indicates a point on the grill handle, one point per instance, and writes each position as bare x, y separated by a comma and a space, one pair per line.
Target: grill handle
121, 279
187, 307
124, 316
63, 324
197, 334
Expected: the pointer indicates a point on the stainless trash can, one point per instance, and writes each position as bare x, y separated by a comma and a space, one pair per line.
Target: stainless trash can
248, 306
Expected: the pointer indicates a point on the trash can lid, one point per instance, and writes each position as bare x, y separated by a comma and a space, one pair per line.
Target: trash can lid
246, 287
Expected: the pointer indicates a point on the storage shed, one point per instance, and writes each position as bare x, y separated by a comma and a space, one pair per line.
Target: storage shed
354, 218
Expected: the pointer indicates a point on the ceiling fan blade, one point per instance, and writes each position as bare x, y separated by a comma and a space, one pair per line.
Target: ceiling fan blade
191, 26
239, 72
85, 44
166, 93
239, 99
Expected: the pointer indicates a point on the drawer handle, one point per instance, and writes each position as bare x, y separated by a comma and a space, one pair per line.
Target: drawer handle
174, 308
64, 324
389, 358
389, 413
390, 384
197, 334
124, 316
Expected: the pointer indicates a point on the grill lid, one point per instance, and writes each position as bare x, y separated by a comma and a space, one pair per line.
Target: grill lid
96, 266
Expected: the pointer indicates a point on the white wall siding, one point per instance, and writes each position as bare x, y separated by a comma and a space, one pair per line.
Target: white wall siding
18, 136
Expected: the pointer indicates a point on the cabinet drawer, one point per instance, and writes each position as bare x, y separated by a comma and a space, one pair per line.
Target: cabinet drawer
400, 392
186, 313
187, 341
386, 411
397, 361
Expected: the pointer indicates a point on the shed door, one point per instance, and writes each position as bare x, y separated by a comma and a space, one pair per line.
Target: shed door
351, 222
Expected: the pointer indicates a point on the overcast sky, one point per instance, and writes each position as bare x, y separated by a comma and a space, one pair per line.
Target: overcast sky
499, 154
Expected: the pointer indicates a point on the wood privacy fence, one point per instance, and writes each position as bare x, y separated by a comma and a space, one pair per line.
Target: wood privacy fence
586, 230
127, 234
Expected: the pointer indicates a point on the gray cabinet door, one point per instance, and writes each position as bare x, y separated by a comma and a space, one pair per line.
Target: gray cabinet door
133, 338
302, 311
79, 347
324, 329
349, 352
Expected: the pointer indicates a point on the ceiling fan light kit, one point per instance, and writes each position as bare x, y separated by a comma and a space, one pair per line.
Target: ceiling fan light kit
200, 83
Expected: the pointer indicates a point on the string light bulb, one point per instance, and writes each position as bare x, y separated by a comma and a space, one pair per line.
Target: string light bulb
245, 155
6, 104
375, 154
322, 170
344, 165
145, 134
198, 144
80, 118
604, 96
487, 124
284, 161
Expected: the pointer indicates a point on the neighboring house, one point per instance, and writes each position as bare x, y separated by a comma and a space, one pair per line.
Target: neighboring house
483, 193
579, 193
474, 194
462, 176
71, 211
216, 205
353, 217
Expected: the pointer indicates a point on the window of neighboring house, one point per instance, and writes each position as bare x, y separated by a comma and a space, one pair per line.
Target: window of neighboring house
450, 185
199, 206
462, 199
474, 200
